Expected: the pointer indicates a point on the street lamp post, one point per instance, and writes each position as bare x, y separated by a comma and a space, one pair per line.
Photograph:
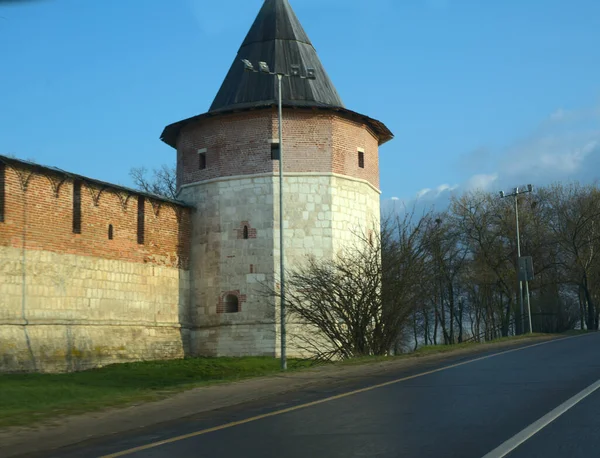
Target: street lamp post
310, 75
516, 194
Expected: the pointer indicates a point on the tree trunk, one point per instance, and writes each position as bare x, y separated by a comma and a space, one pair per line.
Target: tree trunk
451, 305
435, 325
415, 330
581, 309
506, 318
473, 319
590, 304
426, 325
443, 318
460, 320
490, 326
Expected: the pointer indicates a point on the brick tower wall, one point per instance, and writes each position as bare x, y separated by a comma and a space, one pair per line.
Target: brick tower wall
329, 200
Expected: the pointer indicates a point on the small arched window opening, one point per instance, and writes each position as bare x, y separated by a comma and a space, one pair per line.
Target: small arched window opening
371, 238
111, 233
231, 304
245, 232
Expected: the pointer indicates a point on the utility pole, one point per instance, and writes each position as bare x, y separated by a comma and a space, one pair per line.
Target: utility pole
310, 75
281, 243
516, 194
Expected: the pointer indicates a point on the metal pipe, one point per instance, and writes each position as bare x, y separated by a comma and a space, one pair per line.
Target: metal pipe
522, 321
528, 306
281, 243
264, 68
518, 259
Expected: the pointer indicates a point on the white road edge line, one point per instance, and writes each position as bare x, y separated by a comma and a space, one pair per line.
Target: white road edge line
540, 424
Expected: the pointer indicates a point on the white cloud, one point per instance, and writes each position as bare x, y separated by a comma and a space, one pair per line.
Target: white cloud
428, 193
445, 187
423, 192
565, 146
550, 157
569, 161
481, 182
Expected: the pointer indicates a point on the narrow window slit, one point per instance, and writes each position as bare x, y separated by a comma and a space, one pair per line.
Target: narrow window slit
77, 207
361, 159
141, 213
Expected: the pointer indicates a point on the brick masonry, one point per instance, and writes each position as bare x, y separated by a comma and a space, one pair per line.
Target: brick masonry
240, 144
245, 231
42, 218
241, 298
329, 202
73, 301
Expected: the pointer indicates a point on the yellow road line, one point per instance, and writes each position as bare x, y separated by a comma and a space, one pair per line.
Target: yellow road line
320, 401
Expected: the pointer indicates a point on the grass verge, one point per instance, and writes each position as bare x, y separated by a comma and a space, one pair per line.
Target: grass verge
435, 349
26, 399
577, 332
29, 398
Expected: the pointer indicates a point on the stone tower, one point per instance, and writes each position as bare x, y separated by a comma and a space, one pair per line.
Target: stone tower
225, 169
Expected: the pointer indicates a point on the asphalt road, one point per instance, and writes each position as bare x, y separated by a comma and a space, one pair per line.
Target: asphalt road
463, 411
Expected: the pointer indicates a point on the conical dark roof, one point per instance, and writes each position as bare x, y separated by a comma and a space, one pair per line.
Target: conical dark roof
277, 38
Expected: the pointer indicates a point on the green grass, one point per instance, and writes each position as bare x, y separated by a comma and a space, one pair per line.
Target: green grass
577, 332
28, 398
432, 349
435, 349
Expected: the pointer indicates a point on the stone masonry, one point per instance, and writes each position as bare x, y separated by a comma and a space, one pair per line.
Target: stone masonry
93, 273
329, 203
73, 301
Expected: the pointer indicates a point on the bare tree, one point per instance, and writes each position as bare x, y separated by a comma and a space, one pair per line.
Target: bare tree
447, 257
404, 276
162, 182
452, 276
484, 224
360, 302
573, 212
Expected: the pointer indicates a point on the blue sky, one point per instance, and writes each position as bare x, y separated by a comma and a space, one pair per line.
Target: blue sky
479, 93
